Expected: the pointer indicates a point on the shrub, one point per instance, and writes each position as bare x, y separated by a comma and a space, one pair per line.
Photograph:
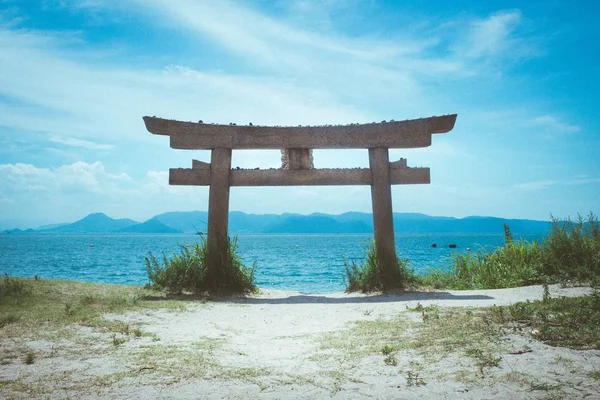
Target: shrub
188, 272
29, 358
11, 288
376, 275
572, 250
515, 264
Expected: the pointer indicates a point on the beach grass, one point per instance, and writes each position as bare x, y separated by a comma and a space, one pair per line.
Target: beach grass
515, 264
30, 305
477, 340
188, 272
560, 322
377, 275
569, 254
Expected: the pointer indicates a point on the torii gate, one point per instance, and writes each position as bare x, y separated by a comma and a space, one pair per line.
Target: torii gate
297, 143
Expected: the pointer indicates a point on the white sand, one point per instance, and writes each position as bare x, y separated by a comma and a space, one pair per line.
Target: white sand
271, 346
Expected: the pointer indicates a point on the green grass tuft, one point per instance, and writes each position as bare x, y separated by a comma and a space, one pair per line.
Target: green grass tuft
12, 289
377, 275
53, 304
29, 358
189, 272
571, 252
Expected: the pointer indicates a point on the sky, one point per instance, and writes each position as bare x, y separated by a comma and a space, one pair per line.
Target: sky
77, 76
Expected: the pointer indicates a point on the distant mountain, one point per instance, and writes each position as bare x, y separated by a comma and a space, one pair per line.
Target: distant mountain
318, 224
427, 224
197, 221
239, 222
50, 226
94, 223
185, 221
153, 225
254, 223
17, 231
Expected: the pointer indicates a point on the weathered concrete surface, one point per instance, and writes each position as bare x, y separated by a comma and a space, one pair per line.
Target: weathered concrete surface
401, 163
298, 159
200, 165
314, 177
218, 207
400, 134
381, 197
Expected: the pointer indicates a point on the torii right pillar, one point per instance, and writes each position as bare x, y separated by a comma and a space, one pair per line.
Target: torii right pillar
381, 197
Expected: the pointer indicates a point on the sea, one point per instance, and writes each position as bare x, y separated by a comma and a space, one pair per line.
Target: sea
309, 263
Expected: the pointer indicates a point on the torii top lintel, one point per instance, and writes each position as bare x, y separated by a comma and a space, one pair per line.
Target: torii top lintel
395, 134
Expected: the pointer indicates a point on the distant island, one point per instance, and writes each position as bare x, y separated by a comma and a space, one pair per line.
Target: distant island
240, 222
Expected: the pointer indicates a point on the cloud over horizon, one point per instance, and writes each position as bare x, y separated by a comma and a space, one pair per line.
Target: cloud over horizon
72, 94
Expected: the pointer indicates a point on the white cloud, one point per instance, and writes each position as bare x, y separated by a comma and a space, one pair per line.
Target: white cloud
74, 190
535, 185
77, 177
551, 122
545, 184
492, 35
80, 143
55, 85
64, 92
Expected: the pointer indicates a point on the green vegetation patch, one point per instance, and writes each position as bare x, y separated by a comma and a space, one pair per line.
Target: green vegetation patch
366, 338
571, 252
378, 275
415, 345
476, 336
29, 305
563, 322
189, 271
198, 360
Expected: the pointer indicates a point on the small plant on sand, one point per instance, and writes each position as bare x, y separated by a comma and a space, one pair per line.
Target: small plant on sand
188, 271
389, 359
430, 312
414, 378
29, 358
483, 359
377, 275
117, 341
69, 310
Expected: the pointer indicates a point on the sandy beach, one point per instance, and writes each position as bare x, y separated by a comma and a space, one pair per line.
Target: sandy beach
280, 344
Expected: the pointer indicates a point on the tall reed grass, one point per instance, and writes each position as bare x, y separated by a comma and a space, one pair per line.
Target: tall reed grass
572, 250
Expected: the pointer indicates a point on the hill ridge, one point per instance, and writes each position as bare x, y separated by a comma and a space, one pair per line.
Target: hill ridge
241, 222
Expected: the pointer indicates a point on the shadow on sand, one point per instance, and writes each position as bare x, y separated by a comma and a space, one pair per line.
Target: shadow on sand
338, 298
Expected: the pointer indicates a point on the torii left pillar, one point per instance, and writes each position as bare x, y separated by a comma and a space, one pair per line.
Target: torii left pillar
218, 211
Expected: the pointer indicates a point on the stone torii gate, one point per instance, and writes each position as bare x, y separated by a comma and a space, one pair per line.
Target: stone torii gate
296, 144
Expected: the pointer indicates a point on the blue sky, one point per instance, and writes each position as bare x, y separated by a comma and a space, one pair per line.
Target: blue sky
76, 77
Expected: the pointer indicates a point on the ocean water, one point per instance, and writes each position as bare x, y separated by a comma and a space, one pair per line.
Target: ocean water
307, 263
